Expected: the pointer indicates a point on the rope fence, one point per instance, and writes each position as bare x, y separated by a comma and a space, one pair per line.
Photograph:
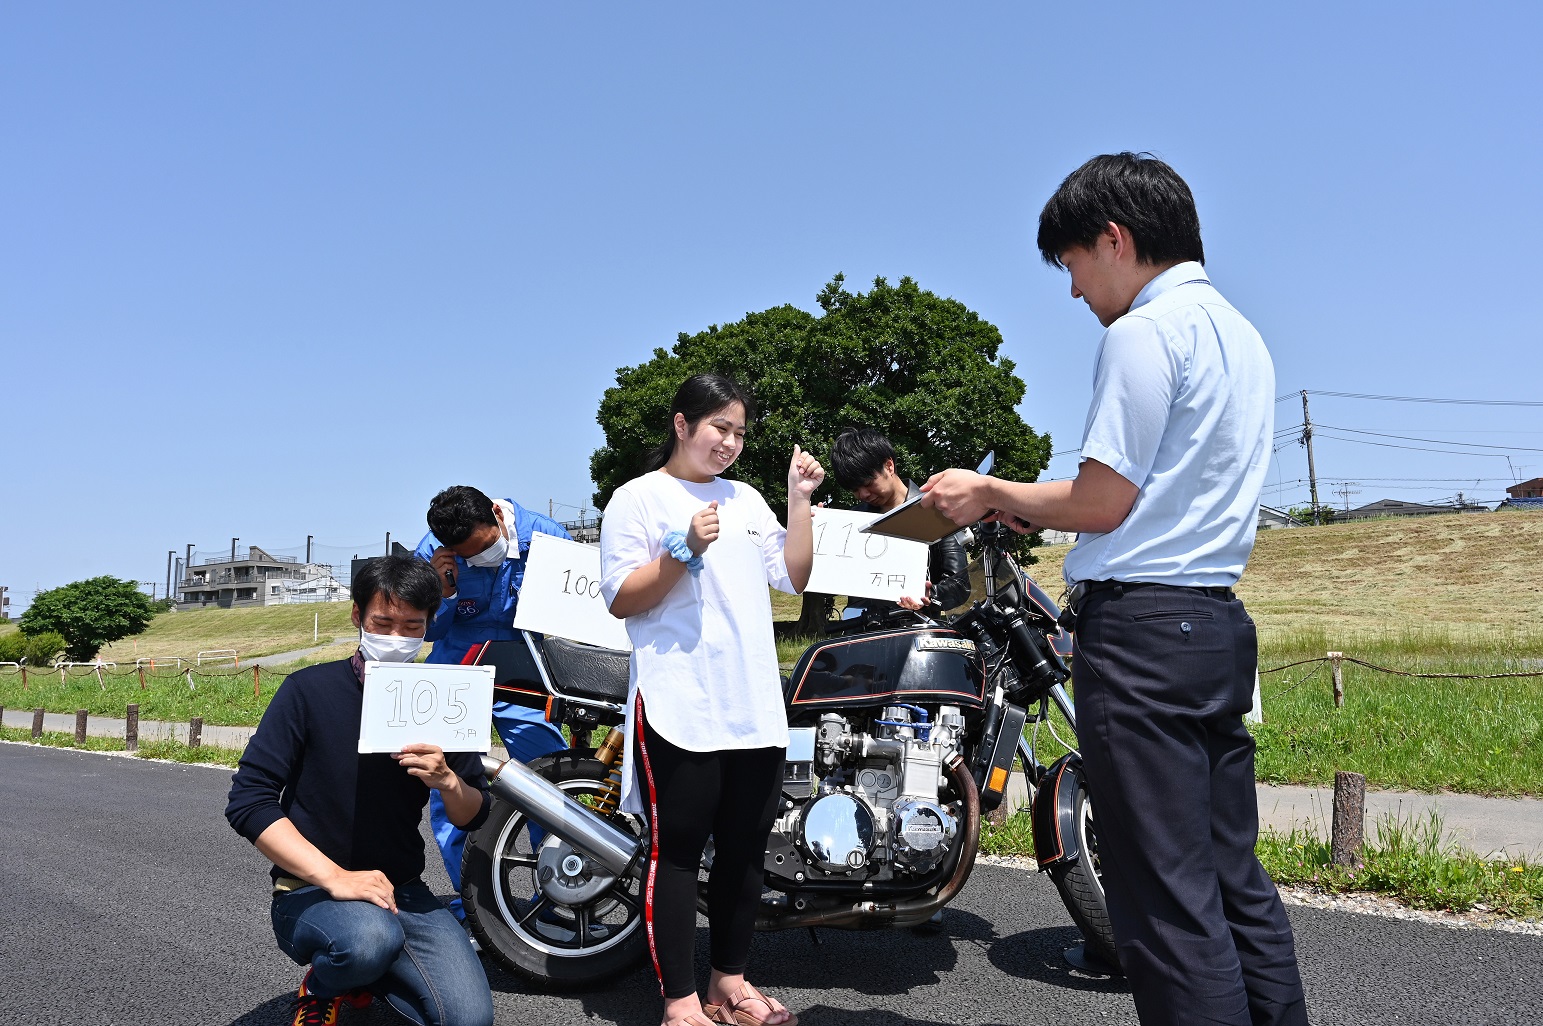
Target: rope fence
1336, 660
38, 676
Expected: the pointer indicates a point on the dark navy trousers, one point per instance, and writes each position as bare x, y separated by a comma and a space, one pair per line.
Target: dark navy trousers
1163, 676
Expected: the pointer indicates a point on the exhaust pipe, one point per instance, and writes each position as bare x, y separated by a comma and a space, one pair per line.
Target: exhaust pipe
545, 803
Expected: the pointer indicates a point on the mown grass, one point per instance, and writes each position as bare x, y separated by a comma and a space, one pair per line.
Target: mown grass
251, 631
167, 749
1407, 860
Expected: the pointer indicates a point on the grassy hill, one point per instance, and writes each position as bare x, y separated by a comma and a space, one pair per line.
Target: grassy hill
253, 631
1463, 575
1474, 578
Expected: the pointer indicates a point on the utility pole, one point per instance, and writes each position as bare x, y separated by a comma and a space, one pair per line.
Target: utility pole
187, 564
1344, 491
171, 555
234, 540
308, 540
388, 543
1307, 440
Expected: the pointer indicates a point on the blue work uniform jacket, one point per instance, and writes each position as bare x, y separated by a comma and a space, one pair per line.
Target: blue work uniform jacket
482, 608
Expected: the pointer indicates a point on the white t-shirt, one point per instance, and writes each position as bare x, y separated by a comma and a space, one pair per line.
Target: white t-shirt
704, 658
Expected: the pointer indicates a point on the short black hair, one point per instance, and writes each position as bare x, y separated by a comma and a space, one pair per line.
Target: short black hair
1134, 190
858, 454
407, 579
457, 511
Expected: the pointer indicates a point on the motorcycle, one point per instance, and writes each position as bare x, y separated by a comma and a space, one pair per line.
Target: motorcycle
903, 733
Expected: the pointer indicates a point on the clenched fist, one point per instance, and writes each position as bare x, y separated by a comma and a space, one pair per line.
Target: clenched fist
704, 529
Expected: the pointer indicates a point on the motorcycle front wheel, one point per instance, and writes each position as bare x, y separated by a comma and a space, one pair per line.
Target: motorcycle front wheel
1081, 886
554, 943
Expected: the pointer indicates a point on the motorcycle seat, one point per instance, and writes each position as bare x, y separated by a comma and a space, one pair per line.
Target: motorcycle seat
585, 671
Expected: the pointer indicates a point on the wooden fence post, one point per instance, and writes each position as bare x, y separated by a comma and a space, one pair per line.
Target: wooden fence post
24, 676
131, 729
195, 732
256, 674
142, 677
1349, 818
1338, 673
80, 726
37, 723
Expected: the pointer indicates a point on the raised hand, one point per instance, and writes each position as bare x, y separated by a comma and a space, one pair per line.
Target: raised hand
804, 475
704, 529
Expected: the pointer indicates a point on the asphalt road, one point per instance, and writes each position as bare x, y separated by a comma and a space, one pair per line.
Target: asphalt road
125, 899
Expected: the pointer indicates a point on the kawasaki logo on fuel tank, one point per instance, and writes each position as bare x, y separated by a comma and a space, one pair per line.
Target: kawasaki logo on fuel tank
945, 645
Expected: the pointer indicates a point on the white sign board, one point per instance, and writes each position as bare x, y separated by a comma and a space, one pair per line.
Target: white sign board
561, 595
848, 562
426, 703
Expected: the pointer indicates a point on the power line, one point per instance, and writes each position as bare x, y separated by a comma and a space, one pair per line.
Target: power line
1415, 448
1433, 441
1420, 399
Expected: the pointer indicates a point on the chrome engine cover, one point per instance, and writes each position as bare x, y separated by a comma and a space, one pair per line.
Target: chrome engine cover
837, 832
921, 834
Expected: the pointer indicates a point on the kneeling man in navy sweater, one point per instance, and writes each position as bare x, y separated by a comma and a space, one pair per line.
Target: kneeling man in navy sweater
341, 829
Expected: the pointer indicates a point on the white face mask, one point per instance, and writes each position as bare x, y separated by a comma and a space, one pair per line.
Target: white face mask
491, 556
388, 648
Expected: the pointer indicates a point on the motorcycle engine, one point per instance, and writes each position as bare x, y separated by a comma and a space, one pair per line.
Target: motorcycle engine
877, 811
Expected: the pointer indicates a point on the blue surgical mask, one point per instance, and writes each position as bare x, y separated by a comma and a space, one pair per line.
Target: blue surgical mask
491, 556
389, 648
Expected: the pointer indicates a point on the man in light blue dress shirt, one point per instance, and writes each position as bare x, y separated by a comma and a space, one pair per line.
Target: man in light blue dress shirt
1165, 504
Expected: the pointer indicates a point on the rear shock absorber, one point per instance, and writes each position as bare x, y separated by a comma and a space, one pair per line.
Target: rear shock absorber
609, 755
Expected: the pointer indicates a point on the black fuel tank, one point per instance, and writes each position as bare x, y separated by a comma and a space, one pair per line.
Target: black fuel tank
886, 667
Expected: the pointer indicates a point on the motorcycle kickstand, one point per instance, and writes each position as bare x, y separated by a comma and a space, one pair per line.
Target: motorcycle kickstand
815, 937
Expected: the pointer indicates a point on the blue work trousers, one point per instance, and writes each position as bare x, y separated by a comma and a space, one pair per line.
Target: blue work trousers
527, 736
418, 959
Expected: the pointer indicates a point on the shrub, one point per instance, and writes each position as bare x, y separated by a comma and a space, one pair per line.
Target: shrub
42, 649
13, 645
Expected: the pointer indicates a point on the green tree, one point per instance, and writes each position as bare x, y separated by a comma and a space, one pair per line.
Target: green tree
925, 370
89, 614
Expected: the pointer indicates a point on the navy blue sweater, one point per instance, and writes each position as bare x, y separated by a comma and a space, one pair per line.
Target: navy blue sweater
303, 762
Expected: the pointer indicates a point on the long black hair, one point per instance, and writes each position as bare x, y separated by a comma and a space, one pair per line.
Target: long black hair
698, 396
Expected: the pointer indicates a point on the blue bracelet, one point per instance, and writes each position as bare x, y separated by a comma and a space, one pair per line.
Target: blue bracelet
675, 544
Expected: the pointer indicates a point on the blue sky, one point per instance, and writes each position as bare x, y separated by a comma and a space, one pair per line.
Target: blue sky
278, 270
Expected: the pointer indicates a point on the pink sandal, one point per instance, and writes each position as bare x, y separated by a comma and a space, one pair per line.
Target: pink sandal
690, 1019
730, 1012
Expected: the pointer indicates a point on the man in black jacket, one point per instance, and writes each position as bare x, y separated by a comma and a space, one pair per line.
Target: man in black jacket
341, 828
864, 462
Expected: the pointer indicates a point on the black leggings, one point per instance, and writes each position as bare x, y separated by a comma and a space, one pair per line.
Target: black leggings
732, 796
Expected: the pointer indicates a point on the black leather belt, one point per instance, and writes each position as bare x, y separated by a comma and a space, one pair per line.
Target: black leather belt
1082, 589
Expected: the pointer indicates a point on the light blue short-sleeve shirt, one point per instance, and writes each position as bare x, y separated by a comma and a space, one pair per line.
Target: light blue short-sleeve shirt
1183, 408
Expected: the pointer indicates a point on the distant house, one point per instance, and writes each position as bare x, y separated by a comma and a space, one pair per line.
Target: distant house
257, 579
1271, 518
1527, 489
1526, 502
1400, 508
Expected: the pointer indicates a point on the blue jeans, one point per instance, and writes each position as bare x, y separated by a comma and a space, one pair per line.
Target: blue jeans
418, 960
527, 736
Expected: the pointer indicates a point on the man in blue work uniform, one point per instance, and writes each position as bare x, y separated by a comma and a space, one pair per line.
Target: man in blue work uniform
477, 546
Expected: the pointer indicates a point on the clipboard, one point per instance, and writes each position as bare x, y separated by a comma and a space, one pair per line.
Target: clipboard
921, 523
913, 521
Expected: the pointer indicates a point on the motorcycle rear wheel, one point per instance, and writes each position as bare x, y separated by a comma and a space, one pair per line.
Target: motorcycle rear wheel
551, 944
1080, 884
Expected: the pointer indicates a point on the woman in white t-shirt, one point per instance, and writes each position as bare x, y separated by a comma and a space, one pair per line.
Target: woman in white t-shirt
686, 558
